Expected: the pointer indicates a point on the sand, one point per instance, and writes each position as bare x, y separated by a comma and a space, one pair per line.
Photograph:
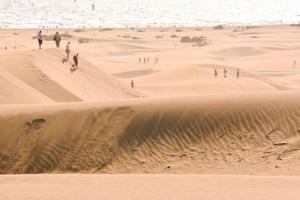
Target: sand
128, 187
179, 118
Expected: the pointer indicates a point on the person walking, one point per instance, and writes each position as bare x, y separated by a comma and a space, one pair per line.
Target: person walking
132, 84
40, 39
216, 73
294, 64
225, 73
68, 50
75, 59
57, 39
238, 73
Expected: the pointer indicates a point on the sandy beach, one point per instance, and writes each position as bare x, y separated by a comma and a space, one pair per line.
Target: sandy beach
219, 106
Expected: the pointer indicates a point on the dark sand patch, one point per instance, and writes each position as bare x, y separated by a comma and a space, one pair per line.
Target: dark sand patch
135, 73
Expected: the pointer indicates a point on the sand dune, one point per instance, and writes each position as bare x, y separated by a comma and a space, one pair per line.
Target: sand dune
180, 117
248, 134
43, 73
239, 52
188, 121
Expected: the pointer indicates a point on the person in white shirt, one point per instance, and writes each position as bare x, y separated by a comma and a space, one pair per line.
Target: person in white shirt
68, 50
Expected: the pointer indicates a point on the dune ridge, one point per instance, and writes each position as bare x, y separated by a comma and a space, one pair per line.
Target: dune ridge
248, 134
46, 79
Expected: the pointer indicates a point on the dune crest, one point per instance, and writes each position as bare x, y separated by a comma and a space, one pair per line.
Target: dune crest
214, 135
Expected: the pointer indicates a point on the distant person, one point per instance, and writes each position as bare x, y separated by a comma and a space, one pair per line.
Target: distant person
238, 73
225, 73
40, 39
5, 48
294, 64
132, 84
57, 39
75, 59
68, 50
216, 73
93, 6
140, 60
144, 60
148, 60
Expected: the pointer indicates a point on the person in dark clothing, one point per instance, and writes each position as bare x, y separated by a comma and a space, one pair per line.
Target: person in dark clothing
225, 73
57, 39
40, 39
216, 73
75, 59
238, 73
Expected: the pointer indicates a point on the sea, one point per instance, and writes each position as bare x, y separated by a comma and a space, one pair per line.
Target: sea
145, 13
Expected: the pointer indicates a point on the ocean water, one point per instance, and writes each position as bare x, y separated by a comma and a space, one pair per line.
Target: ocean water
141, 13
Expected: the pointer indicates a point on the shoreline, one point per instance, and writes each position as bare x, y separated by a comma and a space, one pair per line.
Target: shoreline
154, 28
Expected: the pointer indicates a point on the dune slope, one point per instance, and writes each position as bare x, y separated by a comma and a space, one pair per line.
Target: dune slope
248, 134
40, 77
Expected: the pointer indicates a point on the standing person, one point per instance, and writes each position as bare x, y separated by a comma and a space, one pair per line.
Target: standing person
132, 84
40, 39
57, 39
225, 73
238, 73
148, 60
75, 59
68, 51
144, 60
294, 64
216, 73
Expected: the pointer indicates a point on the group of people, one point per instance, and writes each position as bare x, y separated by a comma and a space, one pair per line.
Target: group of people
57, 38
147, 60
225, 73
